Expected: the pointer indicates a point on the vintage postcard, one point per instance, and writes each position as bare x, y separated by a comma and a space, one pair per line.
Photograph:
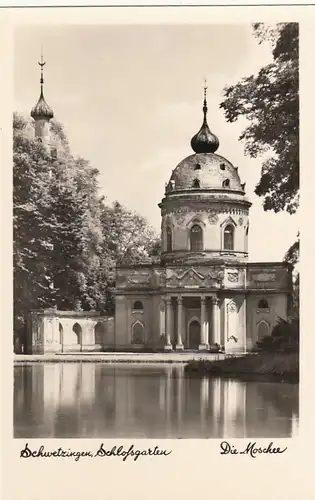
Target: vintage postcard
152, 209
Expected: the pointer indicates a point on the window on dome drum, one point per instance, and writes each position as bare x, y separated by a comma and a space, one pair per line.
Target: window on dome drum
196, 183
263, 304
169, 240
196, 238
228, 237
222, 166
226, 183
138, 306
197, 166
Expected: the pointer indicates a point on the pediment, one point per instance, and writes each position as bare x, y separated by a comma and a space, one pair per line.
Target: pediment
228, 220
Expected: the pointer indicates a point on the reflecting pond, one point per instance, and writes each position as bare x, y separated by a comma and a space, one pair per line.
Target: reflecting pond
95, 400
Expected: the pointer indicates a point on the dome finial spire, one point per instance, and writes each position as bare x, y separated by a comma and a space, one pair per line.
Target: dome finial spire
205, 141
41, 110
205, 88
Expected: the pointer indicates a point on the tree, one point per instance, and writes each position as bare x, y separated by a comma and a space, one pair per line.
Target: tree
292, 257
67, 241
56, 224
127, 239
270, 102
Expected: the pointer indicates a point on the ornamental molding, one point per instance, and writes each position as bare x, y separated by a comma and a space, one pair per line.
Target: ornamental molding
231, 307
219, 209
240, 221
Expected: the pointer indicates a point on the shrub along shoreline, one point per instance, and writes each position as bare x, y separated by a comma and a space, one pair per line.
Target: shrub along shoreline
269, 366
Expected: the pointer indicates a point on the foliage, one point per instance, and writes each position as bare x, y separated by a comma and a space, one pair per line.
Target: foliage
292, 257
270, 102
285, 336
66, 240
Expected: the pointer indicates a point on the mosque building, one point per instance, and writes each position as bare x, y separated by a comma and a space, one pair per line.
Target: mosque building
203, 294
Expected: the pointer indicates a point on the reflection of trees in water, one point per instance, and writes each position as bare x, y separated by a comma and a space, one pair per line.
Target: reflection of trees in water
28, 400
285, 400
135, 400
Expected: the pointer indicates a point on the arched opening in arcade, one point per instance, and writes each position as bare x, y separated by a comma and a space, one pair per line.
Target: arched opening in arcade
99, 334
61, 336
77, 329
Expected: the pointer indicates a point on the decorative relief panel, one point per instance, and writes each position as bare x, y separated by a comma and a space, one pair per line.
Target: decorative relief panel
195, 279
240, 221
231, 307
264, 277
180, 219
233, 275
213, 218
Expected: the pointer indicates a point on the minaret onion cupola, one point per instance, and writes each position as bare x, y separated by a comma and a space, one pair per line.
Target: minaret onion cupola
205, 141
42, 113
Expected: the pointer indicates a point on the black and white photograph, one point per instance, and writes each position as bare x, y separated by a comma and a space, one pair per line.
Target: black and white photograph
155, 231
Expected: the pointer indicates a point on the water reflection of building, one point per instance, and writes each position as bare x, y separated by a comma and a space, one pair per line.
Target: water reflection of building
93, 400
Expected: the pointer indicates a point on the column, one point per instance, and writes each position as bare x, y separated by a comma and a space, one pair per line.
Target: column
162, 318
168, 345
179, 343
204, 333
216, 321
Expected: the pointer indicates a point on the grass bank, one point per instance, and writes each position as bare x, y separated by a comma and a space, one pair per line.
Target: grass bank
269, 366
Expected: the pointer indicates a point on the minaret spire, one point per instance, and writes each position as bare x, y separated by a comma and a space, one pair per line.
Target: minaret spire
42, 64
205, 141
42, 111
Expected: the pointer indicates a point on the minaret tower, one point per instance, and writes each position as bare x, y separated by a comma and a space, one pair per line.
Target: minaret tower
42, 113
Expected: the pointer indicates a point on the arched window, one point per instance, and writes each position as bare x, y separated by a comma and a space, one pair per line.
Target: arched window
196, 238
196, 183
263, 304
169, 240
226, 183
138, 306
137, 333
78, 331
228, 237
263, 329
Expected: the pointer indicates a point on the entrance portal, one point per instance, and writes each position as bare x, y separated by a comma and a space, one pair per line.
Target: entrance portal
194, 335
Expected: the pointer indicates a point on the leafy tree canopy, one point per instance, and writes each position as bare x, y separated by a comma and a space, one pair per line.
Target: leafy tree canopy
67, 241
270, 103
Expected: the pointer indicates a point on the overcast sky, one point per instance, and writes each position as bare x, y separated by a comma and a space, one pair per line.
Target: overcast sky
130, 98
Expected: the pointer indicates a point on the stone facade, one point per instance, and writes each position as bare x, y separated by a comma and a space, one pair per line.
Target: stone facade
53, 331
199, 306
203, 293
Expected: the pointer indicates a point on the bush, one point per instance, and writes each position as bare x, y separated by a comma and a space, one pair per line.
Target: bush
285, 336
